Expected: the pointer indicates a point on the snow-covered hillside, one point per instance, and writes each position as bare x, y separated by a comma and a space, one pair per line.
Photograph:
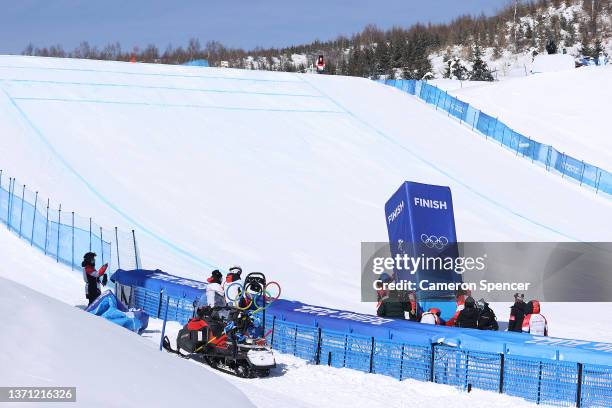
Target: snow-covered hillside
568, 110
283, 173
49, 343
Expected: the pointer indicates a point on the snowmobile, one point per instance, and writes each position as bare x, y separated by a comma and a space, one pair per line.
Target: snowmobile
222, 337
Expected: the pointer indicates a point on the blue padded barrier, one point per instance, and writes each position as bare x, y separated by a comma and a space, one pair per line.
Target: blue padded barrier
492, 128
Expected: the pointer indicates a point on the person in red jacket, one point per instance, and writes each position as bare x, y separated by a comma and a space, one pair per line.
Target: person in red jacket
460, 298
534, 322
93, 277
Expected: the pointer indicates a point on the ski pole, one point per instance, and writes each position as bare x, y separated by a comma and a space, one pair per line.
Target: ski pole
161, 342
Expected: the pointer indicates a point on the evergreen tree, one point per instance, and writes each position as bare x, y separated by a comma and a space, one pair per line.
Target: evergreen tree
597, 48
480, 69
447, 58
457, 69
551, 46
382, 55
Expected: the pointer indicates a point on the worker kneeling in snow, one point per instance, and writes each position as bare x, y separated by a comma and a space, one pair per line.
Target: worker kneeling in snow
534, 322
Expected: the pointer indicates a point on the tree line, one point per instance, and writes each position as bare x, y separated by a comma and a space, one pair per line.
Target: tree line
521, 26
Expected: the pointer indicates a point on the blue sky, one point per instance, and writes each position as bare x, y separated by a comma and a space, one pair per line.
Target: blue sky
236, 23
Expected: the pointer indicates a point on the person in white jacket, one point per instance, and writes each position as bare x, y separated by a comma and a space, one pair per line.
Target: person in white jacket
534, 322
215, 295
431, 317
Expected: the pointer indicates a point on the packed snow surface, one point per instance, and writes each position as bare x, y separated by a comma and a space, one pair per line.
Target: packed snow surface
553, 63
281, 173
48, 343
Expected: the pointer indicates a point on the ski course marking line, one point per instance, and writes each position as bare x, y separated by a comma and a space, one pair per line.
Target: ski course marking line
169, 105
157, 87
154, 74
439, 169
105, 200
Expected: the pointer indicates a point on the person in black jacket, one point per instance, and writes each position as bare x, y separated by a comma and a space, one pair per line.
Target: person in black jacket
487, 319
517, 313
93, 277
392, 306
468, 317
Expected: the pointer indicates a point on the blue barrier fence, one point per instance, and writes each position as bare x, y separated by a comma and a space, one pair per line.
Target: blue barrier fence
543, 381
62, 235
578, 170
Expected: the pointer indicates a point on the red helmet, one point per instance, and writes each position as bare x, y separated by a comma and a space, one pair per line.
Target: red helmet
435, 311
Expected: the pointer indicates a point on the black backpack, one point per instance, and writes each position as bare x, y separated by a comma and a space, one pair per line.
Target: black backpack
487, 319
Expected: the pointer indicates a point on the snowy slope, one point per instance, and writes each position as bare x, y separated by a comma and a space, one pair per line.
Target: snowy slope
568, 110
49, 343
135, 373
279, 172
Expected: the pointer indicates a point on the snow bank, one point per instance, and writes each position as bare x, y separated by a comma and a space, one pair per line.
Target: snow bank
553, 63
567, 109
48, 343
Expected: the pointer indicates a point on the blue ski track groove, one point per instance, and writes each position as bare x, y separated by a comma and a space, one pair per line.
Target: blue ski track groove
170, 105
157, 87
177, 248
154, 74
439, 169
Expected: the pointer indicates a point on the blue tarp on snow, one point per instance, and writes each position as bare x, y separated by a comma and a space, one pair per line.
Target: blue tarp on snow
155, 281
108, 306
509, 343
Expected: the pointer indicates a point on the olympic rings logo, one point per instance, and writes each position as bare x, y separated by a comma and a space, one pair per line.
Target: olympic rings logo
248, 295
432, 241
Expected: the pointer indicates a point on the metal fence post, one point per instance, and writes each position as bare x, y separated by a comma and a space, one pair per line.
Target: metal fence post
501, 372
59, 228
495, 127
273, 327
135, 249
371, 355
8, 205
598, 180
563, 166
539, 384
401, 373
579, 387
117, 245
432, 362
34, 218
47, 228
467, 370
161, 341
582, 174
159, 306
72, 263
102, 247
318, 353
21, 211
